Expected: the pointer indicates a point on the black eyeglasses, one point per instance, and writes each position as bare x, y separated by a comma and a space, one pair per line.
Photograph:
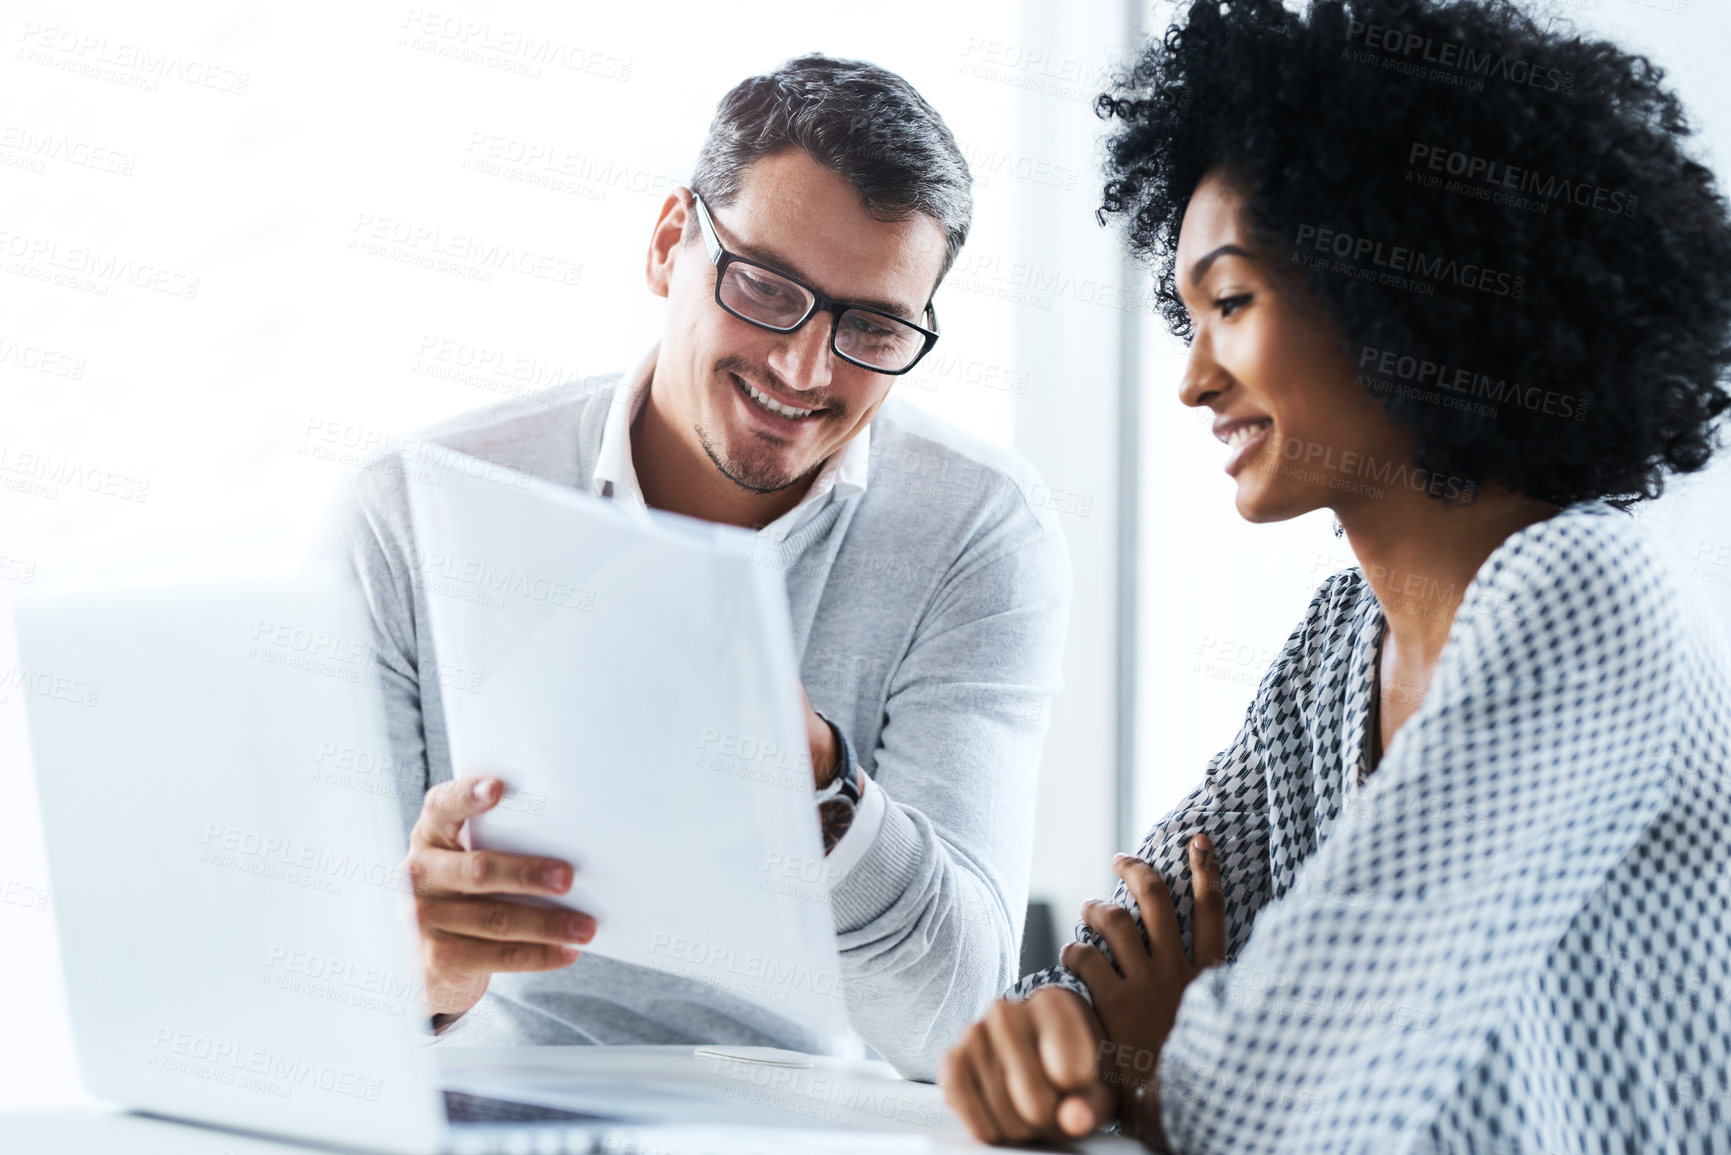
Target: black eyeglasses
860, 334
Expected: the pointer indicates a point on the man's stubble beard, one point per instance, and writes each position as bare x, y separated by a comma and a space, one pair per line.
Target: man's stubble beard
755, 478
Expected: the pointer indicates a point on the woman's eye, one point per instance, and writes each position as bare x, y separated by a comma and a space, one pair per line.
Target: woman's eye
1230, 305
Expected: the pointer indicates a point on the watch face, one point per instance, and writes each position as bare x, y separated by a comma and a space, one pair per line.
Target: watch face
835, 816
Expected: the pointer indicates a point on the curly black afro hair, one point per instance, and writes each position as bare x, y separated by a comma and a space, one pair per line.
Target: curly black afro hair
1500, 217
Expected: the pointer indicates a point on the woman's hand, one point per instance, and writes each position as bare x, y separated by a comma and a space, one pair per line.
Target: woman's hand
1027, 1071
1136, 1008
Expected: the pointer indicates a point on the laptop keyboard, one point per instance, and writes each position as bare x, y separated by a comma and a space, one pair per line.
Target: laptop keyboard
515, 1128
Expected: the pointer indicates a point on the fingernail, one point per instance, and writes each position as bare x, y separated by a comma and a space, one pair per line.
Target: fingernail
1202, 842
483, 789
570, 952
1119, 857
556, 877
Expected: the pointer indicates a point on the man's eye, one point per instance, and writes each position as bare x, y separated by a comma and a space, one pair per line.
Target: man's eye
765, 290
866, 327
1231, 305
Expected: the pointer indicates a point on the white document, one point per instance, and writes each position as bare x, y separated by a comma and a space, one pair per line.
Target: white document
632, 680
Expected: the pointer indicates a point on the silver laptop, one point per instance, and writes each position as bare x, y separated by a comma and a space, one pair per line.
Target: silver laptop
224, 846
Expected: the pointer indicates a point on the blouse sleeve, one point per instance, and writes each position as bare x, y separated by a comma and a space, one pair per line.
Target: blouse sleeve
1231, 805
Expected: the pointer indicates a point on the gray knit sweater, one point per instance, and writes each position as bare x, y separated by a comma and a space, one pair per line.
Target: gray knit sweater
928, 613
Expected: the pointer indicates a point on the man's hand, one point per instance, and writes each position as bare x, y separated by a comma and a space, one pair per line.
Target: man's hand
1028, 1071
1137, 1007
467, 931
824, 755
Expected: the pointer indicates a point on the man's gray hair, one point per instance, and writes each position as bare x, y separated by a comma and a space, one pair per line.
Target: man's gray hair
861, 121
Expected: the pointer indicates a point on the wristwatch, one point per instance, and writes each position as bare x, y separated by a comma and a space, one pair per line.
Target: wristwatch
839, 801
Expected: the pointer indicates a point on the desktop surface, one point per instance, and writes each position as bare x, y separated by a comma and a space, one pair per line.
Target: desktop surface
836, 1106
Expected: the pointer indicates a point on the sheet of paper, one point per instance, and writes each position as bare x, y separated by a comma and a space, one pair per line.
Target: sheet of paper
632, 679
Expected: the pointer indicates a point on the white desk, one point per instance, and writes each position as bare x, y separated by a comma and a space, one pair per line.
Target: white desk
873, 1110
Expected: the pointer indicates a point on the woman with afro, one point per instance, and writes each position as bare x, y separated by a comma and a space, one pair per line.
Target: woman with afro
1462, 881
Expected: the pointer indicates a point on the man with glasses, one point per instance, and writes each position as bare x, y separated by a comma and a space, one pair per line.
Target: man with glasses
928, 595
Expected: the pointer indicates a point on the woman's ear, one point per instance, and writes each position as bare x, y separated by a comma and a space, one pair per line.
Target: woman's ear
667, 239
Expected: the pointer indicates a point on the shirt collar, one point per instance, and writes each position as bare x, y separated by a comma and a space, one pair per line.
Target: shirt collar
843, 476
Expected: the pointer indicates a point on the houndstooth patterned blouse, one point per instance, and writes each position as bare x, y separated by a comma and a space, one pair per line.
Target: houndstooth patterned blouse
1515, 936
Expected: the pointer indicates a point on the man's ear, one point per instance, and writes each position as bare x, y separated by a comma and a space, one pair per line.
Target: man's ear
666, 240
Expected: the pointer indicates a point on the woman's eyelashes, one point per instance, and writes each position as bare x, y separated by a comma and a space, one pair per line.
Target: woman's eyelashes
1230, 305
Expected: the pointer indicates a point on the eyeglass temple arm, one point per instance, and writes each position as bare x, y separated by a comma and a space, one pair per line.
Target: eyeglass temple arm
710, 240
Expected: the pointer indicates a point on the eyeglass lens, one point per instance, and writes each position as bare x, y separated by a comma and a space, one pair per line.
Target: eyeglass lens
757, 294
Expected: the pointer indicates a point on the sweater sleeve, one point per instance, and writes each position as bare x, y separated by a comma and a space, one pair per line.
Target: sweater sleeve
929, 919
355, 539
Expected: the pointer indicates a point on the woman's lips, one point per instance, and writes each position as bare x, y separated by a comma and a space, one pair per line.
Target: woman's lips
1242, 440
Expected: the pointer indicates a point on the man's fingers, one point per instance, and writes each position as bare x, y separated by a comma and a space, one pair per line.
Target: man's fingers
1154, 902
450, 804
503, 921
1011, 1029
460, 954
438, 871
1208, 925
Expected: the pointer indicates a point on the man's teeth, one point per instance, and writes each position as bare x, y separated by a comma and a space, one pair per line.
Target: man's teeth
1244, 433
773, 405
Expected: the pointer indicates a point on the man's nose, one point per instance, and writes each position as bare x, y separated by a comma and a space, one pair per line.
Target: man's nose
803, 359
